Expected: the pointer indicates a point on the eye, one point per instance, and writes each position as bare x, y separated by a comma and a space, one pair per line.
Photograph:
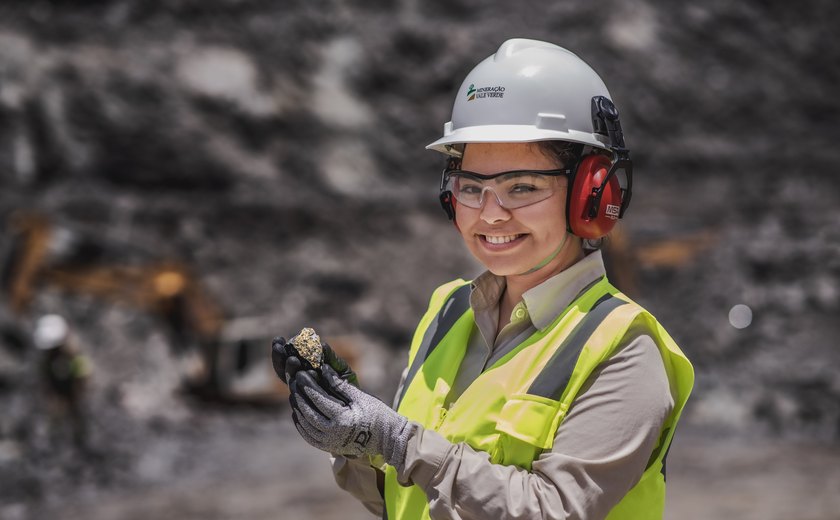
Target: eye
522, 188
468, 187
522, 180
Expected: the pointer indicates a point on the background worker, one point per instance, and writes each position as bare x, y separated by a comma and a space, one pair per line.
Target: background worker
63, 371
537, 390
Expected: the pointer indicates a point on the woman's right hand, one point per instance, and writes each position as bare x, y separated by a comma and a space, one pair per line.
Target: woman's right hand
286, 362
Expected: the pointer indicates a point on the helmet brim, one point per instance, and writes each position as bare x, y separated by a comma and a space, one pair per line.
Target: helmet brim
511, 134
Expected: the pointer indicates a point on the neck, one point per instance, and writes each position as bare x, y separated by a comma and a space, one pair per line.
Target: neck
517, 285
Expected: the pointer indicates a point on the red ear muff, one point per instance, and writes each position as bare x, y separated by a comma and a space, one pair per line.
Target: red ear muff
447, 201
448, 204
591, 215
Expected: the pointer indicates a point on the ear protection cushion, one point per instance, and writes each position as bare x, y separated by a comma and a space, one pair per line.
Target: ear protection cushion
583, 221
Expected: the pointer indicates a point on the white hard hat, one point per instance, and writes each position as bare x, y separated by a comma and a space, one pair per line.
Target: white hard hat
528, 90
50, 331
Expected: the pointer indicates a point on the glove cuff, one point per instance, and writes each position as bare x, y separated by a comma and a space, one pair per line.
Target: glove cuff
396, 444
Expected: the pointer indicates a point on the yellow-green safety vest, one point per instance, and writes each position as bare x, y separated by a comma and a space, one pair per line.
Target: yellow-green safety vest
513, 409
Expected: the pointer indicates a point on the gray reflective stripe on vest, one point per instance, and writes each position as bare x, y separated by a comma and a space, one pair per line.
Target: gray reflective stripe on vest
454, 307
556, 374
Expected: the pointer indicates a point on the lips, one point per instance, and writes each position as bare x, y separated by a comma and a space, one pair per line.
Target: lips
500, 239
500, 242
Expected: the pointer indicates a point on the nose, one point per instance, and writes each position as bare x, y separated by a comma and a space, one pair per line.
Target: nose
492, 210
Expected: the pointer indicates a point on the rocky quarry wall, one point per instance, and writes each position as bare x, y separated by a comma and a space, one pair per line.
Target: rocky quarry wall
277, 148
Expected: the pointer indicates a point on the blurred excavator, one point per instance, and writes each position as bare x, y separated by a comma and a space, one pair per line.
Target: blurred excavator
625, 260
219, 358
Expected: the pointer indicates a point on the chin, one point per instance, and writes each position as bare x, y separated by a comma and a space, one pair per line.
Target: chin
500, 268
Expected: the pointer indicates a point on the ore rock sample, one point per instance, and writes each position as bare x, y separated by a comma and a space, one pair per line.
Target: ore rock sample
308, 346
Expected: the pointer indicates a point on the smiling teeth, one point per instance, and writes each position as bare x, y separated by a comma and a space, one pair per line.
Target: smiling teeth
500, 240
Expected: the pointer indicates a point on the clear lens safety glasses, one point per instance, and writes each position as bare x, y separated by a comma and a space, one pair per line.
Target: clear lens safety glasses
512, 189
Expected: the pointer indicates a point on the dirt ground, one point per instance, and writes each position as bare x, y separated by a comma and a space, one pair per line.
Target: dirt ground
267, 472
746, 479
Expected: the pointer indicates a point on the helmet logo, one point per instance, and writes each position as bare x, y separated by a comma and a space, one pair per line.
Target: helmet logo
497, 91
612, 211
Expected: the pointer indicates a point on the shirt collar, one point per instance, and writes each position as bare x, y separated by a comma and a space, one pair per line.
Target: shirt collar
547, 300
487, 290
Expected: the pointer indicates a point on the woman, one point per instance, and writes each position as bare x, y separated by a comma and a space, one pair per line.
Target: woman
537, 390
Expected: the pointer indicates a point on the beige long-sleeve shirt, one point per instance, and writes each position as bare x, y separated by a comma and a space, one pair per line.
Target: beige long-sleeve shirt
600, 450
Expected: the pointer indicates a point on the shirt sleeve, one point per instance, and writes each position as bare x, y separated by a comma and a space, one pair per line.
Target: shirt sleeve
359, 478
600, 451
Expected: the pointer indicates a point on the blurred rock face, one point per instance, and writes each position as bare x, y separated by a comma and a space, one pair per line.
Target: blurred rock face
277, 147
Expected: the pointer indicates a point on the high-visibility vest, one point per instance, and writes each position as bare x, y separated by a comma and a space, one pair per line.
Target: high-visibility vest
513, 409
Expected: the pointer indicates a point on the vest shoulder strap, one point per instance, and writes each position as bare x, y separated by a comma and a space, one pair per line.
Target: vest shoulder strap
453, 308
556, 374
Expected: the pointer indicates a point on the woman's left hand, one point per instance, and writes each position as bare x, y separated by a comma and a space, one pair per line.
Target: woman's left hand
363, 426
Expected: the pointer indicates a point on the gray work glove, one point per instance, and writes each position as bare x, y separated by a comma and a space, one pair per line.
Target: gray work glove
363, 426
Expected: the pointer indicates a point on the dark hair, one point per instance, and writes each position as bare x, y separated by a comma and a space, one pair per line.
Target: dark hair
567, 154
564, 153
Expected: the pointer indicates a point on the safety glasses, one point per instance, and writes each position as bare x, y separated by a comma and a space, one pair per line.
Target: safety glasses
512, 189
